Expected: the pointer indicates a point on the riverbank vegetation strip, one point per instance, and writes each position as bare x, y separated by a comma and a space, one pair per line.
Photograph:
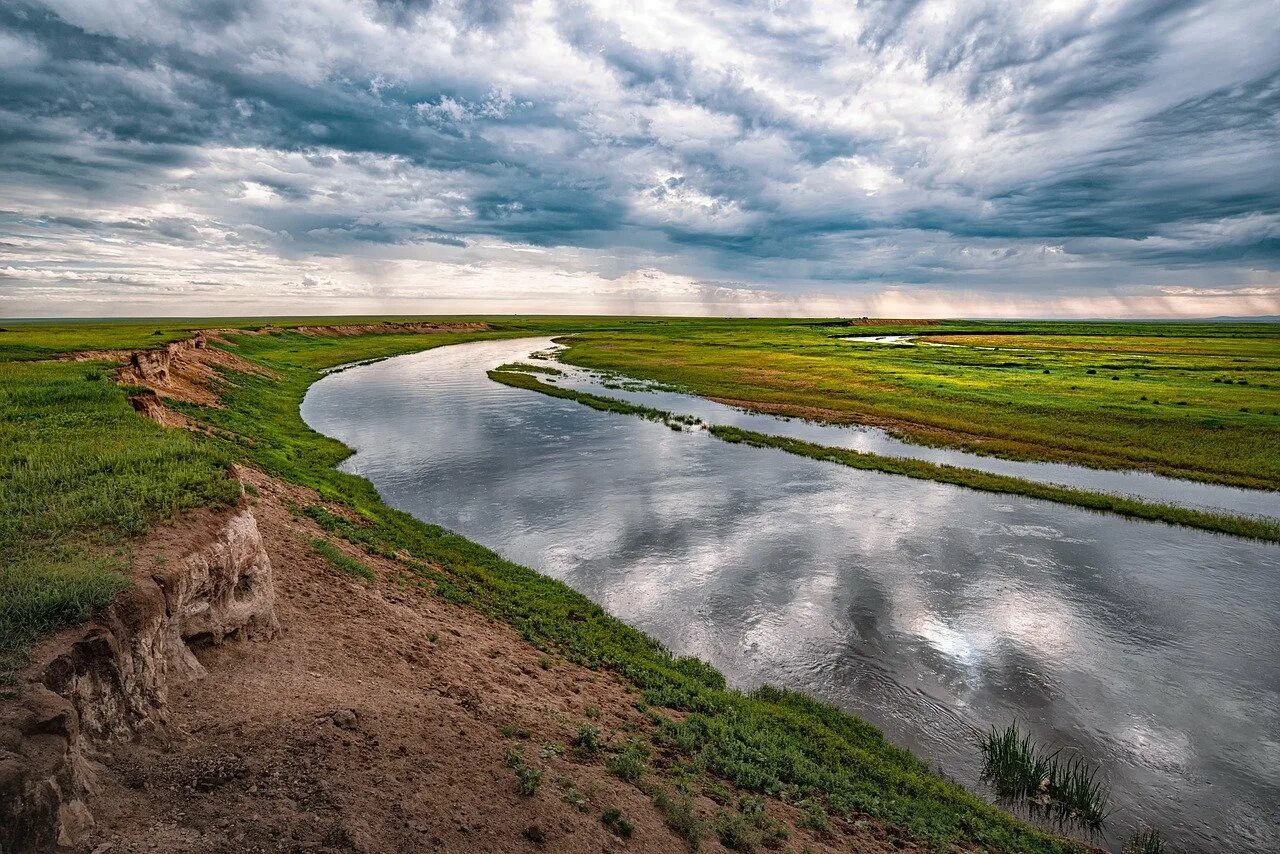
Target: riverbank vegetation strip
1104, 502
771, 741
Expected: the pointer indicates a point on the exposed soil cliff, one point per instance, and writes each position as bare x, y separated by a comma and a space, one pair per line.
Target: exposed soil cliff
110, 680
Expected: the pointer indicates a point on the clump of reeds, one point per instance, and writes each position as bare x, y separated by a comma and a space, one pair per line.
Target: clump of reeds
1065, 789
1145, 840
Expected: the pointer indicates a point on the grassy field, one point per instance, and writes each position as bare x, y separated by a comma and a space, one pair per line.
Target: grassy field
81, 473
92, 474
1199, 401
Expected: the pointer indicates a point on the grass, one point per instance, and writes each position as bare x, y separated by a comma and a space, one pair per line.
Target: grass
629, 763
509, 375
1243, 526
528, 777
588, 739
530, 369
1199, 401
1065, 789
341, 561
80, 474
1146, 840
678, 811
617, 825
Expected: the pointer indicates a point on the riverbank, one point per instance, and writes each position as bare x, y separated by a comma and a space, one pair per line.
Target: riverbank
700, 760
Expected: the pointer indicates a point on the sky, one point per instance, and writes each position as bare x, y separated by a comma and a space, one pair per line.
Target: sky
1044, 158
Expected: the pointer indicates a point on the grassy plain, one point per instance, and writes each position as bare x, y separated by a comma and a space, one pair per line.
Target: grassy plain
81, 473
1199, 401
771, 741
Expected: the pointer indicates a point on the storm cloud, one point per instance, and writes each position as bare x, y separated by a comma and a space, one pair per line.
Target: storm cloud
902, 156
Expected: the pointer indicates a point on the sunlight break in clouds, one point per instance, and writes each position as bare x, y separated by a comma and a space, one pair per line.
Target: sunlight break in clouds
901, 157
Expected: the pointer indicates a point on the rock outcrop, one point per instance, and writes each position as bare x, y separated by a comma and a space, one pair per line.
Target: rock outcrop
109, 680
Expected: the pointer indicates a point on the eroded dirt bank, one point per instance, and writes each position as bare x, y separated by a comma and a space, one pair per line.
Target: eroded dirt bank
377, 717
109, 681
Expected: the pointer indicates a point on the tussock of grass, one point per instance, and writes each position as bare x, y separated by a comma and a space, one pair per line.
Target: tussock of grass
1146, 840
1064, 789
677, 809
618, 826
629, 763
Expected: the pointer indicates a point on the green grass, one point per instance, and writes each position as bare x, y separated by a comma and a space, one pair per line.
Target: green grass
517, 379
1242, 526
341, 561
1146, 840
1200, 401
1064, 789
530, 369
527, 776
80, 474
617, 825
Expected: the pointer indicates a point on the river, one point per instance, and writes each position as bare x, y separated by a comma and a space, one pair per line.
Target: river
925, 608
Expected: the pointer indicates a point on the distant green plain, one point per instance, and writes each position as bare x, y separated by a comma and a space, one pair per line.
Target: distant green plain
1199, 401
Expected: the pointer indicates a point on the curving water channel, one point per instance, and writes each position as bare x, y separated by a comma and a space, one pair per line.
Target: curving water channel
925, 608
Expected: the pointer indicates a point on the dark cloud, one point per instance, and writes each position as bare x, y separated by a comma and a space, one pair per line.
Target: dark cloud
1046, 147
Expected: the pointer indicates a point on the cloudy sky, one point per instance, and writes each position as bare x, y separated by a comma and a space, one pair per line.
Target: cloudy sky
888, 157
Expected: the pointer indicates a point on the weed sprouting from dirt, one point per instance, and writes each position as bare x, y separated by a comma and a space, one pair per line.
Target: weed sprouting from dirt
680, 815
587, 739
629, 763
618, 826
527, 776
340, 560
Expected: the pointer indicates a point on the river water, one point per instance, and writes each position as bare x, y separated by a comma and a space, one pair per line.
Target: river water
927, 609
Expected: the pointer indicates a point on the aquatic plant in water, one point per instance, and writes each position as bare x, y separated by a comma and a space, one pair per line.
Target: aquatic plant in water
1064, 789
1146, 840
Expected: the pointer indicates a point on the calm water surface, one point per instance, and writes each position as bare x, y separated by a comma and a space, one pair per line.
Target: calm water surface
925, 608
